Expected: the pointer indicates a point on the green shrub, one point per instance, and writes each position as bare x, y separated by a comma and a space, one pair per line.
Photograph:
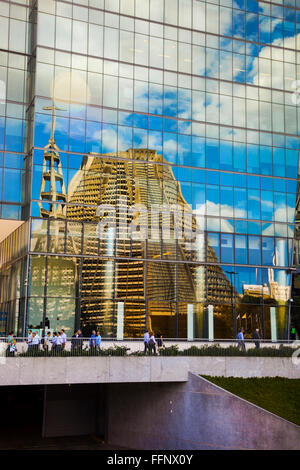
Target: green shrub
116, 351
170, 351
137, 353
206, 350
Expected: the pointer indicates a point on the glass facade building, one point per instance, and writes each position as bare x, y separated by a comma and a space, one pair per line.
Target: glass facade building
150, 149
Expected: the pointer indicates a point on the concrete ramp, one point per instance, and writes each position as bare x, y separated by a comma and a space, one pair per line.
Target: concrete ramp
192, 415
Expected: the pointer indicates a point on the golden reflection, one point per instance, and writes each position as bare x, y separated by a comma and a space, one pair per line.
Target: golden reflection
139, 176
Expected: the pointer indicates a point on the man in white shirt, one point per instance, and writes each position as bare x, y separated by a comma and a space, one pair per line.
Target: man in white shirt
54, 340
47, 339
35, 341
29, 340
63, 339
152, 344
146, 341
58, 342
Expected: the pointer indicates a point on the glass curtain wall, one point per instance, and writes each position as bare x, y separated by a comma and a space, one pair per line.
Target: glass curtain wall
14, 31
164, 165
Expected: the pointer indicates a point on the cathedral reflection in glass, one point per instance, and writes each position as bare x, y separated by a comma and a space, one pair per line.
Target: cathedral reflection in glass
188, 106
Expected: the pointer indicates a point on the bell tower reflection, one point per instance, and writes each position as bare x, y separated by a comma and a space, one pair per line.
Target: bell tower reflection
52, 191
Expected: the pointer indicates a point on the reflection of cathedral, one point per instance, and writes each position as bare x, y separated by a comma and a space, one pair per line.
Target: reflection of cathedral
143, 178
114, 267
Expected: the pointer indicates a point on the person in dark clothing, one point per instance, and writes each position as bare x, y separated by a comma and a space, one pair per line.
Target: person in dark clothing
74, 341
256, 338
160, 343
152, 344
80, 340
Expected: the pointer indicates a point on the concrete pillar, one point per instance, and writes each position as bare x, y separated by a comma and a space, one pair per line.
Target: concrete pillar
273, 324
190, 322
120, 321
210, 322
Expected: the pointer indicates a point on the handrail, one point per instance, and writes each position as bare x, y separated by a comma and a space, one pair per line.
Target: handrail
84, 346
173, 340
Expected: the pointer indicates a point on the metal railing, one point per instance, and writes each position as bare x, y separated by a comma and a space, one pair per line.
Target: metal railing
135, 347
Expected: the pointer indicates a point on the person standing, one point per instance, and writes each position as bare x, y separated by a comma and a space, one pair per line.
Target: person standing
241, 341
98, 341
29, 340
93, 342
160, 342
11, 344
54, 342
152, 344
47, 340
63, 339
35, 342
74, 341
146, 341
256, 338
58, 343
80, 340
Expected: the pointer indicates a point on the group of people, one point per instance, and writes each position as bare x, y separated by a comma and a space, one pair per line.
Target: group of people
95, 341
241, 339
56, 342
150, 343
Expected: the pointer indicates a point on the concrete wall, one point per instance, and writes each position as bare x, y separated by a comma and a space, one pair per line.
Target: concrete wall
183, 415
69, 410
72, 370
245, 367
193, 415
74, 410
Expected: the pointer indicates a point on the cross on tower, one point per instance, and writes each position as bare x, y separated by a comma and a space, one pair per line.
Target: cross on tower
53, 108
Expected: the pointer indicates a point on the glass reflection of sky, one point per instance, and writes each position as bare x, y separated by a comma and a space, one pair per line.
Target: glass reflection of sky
253, 197
242, 276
